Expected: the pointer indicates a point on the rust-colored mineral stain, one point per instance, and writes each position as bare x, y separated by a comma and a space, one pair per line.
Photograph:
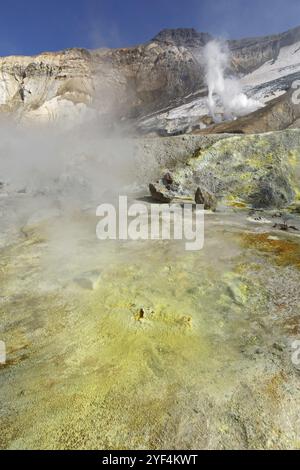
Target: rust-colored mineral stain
286, 252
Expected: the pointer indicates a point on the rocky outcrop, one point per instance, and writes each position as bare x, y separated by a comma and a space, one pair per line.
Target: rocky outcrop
260, 171
206, 199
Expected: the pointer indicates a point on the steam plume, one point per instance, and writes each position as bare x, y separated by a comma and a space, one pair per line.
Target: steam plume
224, 92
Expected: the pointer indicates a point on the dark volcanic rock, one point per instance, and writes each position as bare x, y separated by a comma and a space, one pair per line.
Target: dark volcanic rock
160, 193
165, 189
167, 180
206, 198
273, 190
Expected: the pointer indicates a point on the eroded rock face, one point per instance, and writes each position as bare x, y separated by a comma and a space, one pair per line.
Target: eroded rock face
160, 75
46, 87
74, 82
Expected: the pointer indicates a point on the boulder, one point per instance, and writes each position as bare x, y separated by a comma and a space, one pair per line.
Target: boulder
167, 180
207, 199
160, 193
165, 189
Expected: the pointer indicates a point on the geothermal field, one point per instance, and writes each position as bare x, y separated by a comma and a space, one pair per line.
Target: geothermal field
112, 342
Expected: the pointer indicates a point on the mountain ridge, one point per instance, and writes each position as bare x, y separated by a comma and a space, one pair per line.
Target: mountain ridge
78, 84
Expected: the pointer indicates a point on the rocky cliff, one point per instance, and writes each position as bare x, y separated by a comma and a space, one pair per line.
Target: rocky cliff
75, 83
142, 82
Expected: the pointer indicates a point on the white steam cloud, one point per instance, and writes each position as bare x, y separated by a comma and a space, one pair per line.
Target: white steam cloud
225, 94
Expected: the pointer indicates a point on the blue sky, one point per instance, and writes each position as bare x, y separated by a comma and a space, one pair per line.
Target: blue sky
32, 26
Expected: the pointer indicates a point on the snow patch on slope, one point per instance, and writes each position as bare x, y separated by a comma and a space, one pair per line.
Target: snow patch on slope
269, 81
287, 62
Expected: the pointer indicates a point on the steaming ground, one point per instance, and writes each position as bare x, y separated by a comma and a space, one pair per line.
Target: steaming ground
207, 364
142, 345
137, 344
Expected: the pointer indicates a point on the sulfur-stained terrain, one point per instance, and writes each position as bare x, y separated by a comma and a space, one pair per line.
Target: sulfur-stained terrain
142, 344
121, 345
